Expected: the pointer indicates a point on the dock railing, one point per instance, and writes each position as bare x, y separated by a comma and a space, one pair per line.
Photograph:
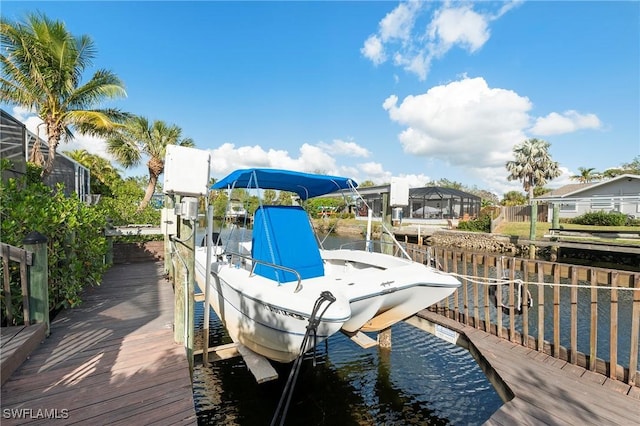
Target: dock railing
584, 315
33, 277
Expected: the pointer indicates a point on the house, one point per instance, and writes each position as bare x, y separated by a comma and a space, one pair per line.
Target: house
424, 203
618, 194
17, 143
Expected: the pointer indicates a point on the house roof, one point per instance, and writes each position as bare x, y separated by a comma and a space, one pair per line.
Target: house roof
567, 189
439, 192
576, 188
428, 192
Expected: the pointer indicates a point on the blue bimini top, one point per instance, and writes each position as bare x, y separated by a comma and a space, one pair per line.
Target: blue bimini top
306, 185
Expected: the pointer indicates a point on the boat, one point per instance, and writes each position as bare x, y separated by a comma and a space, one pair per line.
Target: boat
282, 293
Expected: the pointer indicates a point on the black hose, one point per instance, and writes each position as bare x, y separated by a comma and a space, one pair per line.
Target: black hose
312, 327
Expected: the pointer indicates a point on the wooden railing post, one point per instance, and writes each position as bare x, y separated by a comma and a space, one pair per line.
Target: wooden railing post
613, 327
593, 325
635, 331
108, 258
540, 271
38, 278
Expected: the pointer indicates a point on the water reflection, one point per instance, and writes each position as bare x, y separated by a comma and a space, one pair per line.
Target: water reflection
422, 380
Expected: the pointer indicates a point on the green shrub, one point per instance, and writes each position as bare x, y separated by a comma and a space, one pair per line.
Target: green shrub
122, 208
601, 218
482, 224
74, 230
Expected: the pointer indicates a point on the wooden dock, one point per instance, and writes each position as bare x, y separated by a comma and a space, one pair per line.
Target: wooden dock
110, 361
537, 388
17, 344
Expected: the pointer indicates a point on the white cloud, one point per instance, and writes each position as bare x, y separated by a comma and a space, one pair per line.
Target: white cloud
464, 123
399, 23
461, 26
563, 179
372, 169
227, 157
474, 127
414, 44
416, 181
374, 50
567, 122
340, 147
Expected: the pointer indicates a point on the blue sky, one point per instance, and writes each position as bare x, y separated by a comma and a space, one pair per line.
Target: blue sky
374, 90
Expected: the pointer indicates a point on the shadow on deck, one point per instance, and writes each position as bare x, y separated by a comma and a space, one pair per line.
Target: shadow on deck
110, 361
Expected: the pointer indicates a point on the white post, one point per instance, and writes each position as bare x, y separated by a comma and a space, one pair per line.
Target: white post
369, 218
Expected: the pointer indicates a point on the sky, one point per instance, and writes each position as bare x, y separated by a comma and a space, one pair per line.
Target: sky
372, 90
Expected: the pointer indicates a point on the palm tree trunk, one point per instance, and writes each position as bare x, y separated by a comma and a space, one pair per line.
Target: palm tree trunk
53, 139
151, 187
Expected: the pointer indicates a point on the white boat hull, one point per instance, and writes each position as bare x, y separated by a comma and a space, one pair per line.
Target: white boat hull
373, 291
268, 318
384, 289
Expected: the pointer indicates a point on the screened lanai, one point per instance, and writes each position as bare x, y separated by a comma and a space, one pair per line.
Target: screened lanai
429, 202
17, 143
435, 202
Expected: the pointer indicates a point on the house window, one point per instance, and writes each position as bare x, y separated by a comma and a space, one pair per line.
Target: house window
568, 207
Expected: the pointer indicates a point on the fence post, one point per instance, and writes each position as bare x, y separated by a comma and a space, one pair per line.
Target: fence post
532, 229
36, 243
555, 221
108, 258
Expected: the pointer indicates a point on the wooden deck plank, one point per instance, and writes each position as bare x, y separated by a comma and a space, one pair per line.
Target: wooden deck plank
546, 390
97, 378
111, 360
74, 353
17, 344
556, 390
361, 339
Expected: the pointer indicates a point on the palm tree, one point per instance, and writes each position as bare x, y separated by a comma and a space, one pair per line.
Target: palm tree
513, 198
532, 165
103, 174
586, 175
139, 138
42, 66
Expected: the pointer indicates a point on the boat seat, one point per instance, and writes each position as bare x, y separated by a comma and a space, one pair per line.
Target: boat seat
282, 235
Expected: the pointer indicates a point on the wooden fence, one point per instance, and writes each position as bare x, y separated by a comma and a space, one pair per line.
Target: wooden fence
523, 213
584, 315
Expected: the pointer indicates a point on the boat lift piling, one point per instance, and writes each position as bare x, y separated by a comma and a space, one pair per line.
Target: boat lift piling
207, 293
183, 246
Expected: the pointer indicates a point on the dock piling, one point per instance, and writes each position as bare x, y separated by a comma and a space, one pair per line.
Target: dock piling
38, 278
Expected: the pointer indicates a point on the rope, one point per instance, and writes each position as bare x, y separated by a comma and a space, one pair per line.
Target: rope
433, 262
312, 327
494, 281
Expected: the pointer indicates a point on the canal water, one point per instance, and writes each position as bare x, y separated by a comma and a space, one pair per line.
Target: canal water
422, 380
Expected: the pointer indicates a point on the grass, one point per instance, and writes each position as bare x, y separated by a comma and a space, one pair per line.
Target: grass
521, 229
